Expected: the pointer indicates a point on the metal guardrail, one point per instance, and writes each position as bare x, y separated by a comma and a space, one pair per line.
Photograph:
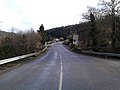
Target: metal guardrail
4, 61
102, 54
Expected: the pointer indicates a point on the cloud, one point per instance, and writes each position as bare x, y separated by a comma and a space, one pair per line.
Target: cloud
25, 14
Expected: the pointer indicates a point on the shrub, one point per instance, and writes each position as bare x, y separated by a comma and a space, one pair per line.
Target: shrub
74, 47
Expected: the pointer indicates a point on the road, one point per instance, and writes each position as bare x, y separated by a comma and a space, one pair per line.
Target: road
61, 69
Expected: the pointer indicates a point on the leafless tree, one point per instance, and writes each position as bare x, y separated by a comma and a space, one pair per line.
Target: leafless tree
112, 7
95, 11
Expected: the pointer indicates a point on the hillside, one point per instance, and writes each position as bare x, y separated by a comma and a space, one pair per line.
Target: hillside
83, 30
3, 34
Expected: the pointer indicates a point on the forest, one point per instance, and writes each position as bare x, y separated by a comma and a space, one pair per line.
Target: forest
15, 44
99, 31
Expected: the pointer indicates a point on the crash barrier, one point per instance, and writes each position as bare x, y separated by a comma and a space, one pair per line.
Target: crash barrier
102, 54
4, 61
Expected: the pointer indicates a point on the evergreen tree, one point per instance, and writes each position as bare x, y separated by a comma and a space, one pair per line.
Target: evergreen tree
42, 34
94, 33
6, 48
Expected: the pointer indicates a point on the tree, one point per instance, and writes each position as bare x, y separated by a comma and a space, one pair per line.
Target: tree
33, 41
118, 28
117, 34
42, 34
97, 13
26, 42
6, 48
20, 43
112, 7
94, 33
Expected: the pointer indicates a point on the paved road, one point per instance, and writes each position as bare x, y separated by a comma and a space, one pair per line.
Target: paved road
60, 69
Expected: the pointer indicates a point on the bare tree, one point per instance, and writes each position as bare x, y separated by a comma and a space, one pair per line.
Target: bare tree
96, 12
112, 7
33, 40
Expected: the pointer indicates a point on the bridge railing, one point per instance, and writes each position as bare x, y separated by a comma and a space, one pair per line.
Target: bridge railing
4, 61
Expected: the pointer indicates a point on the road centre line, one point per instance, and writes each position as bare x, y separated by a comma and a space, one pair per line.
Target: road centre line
61, 73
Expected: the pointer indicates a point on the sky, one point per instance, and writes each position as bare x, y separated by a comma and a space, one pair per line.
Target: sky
26, 14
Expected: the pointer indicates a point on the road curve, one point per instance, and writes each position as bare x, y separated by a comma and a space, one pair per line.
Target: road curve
61, 69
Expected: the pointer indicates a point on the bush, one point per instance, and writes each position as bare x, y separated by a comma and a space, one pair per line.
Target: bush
74, 47
6, 48
66, 42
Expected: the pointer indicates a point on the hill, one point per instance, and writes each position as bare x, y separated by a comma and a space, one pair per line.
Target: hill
83, 30
3, 34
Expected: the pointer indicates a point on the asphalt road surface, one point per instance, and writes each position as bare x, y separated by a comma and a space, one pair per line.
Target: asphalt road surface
61, 69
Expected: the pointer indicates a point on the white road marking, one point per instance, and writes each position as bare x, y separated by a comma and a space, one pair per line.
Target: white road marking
61, 73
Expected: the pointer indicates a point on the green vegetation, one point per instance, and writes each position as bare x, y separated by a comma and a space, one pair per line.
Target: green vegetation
73, 47
42, 34
6, 48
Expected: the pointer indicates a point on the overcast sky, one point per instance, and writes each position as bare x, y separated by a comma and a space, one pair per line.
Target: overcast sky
25, 14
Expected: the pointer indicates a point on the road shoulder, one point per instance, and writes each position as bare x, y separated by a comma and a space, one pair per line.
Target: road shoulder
13, 65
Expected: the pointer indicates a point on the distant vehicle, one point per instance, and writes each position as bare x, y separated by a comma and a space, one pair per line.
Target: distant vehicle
61, 39
56, 39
